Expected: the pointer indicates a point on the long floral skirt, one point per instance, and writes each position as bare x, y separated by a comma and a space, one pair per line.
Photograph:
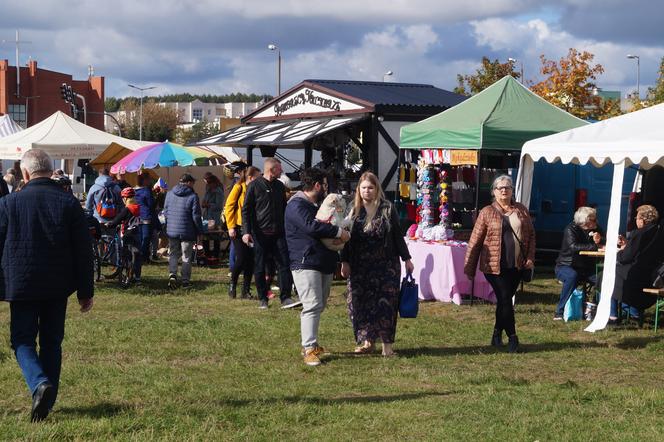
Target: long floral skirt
373, 299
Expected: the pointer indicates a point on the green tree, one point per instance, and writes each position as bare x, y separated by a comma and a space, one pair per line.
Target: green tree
111, 104
197, 132
159, 122
488, 73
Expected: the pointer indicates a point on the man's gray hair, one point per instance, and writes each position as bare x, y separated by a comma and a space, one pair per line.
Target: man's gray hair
36, 161
582, 214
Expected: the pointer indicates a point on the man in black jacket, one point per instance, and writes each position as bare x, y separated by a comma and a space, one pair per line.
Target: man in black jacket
263, 217
44, 258
311, 263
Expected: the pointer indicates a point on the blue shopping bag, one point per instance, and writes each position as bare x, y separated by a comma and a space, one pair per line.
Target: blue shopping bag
574, 306
408, 297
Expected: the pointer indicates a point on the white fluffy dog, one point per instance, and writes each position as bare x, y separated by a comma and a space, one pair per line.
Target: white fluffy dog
333, 211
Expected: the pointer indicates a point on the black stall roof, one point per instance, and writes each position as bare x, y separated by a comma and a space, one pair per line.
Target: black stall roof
386, 94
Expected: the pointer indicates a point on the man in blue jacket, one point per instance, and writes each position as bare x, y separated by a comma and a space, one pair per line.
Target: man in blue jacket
145, 202
44, 258
312, 264
182, 210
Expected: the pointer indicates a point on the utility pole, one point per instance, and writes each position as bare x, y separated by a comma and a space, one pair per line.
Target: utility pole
17, 42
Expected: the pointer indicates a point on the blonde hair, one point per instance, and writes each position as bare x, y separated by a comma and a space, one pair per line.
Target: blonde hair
647, 213
380, 200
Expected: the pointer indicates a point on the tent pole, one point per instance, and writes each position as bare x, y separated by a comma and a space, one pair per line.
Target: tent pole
476, 213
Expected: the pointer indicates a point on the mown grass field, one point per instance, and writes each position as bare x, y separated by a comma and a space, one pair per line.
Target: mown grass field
149, 364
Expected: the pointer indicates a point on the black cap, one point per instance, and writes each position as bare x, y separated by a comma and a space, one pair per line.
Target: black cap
187, 178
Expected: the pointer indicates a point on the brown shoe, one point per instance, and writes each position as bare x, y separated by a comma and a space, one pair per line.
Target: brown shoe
311, 357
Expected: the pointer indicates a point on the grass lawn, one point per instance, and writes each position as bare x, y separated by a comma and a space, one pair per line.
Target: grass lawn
194, 365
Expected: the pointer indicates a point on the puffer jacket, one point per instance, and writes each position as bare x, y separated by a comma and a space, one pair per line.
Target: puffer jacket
486, 239
45, 245
575, 240
182, 210
303, 234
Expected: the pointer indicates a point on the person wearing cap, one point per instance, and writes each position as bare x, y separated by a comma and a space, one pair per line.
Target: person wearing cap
182, 210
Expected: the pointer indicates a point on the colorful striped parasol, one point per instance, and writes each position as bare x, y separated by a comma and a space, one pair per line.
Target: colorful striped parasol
166, 154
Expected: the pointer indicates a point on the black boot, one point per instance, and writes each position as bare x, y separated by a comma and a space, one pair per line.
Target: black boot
497, 338
232, 291
513, 344
246, 290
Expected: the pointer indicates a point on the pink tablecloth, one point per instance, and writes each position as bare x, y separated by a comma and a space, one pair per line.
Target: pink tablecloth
439, 273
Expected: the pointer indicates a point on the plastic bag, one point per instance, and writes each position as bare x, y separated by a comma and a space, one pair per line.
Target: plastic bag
574, 306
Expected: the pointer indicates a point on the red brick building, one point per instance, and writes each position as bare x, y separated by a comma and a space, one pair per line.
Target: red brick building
40, 95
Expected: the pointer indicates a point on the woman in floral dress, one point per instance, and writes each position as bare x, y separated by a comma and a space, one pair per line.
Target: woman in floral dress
370, 261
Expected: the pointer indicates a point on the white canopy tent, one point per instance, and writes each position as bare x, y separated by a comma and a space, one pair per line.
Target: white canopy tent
634, 138
8, 126
63, 138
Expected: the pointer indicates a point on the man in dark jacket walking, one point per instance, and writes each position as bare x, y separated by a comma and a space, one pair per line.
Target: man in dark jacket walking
45, 257
182, 210
311, 263
145, 202
263, 217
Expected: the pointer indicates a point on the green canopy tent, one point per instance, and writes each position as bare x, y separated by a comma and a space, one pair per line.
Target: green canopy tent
498, 120
502, 117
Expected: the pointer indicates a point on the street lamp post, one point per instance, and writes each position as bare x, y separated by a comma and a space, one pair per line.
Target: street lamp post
27, 114
387, 74
638, 74
514, 60
274, 47
140, 118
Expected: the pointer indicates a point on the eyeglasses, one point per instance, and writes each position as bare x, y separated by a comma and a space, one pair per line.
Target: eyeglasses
501, 188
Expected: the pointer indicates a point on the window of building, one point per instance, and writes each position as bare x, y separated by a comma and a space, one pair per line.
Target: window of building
197, 114
209, 112
17, 112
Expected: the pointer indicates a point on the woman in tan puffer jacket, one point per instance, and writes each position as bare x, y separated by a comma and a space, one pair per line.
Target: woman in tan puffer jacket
503, 241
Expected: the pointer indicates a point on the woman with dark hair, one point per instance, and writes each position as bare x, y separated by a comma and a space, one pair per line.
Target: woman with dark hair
503, 241
370, 261
212, 205
244, 257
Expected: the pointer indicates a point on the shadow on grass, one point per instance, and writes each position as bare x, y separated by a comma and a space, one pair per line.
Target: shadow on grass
103, 409
159, 286
486, 349
373, 399
638, 342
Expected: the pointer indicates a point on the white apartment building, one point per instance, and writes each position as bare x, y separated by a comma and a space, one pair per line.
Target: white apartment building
197, 111
194, 112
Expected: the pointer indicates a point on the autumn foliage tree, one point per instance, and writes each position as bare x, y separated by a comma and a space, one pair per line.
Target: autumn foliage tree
570, 85
488, 73
159, 122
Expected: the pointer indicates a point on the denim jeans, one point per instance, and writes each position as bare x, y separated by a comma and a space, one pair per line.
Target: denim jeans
45, 319
313, 287
570, 278
268, 247
633, 311
146, 241
178, 248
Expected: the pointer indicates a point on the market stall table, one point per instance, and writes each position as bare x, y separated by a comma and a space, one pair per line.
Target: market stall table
439, 273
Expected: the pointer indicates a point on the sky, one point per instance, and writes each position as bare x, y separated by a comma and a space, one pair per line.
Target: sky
221, 46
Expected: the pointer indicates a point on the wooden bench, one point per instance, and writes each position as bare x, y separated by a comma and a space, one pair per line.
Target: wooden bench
659, 293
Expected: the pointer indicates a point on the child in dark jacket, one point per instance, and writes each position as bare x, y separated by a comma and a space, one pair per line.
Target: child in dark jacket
129, 220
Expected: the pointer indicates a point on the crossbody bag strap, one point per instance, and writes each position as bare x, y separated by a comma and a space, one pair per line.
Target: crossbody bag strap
523, 252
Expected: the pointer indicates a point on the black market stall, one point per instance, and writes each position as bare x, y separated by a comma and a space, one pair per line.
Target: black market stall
354, 124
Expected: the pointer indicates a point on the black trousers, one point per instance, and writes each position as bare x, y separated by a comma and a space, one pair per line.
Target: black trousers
504, 286
268, 247
244, 261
